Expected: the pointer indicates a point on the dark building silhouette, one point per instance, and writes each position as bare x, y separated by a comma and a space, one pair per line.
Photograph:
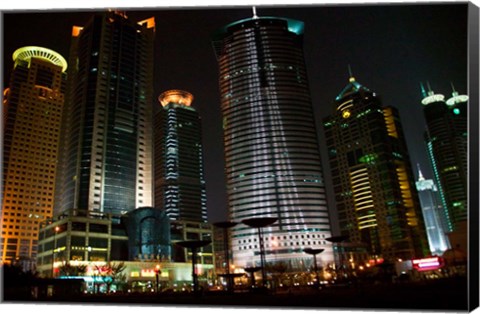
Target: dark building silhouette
273, 166
105, 163
447, 141
179, 178
374, 186
32, 108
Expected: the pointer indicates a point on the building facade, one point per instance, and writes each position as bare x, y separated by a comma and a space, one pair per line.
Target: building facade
33, 105
178, 162
447, 142
374, 187
106, 161
273, 166
432, 214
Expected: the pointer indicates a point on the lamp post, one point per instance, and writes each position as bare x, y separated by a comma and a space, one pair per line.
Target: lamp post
336, 240
157, 273
260, 223
314, 252
56, 229
225, 225
193, 245
252, 271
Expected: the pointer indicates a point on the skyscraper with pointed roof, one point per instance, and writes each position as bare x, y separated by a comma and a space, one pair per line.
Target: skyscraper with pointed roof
372, 177
273, 166
432, 214
447, 142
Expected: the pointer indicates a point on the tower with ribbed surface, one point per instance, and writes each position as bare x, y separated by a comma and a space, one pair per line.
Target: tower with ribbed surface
273, 166
32, 107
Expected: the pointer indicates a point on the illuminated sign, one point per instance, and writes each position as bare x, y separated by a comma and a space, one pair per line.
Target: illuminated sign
426, 264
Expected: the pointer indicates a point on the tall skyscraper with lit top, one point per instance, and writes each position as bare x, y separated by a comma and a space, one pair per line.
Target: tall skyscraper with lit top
373, 182
33, 105
447, 142
179, 179
432, 214
273, 166
106, 158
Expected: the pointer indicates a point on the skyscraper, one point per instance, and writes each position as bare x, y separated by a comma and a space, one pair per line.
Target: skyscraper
106, 161
179, 178
432, 214
273, 166
33, 106
446, 138
374, 187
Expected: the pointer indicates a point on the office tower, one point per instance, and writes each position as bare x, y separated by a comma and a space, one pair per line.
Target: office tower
372, 178
106, 162
273, 166
446, 138
179, 179
432, 214
33, 105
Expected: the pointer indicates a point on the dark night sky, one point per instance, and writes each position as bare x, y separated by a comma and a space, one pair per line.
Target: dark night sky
391, 49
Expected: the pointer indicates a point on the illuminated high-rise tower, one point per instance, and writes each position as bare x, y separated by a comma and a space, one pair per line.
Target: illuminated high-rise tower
179, 179
273, 166
432, 214
447, 141
374, 187
106, 160
33, 106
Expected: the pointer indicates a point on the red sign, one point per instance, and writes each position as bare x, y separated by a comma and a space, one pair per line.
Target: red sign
425, 264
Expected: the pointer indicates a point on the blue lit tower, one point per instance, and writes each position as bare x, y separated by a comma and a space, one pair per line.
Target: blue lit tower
432, 214
372, 177
273, 166
179, 178
106, 161
446, 139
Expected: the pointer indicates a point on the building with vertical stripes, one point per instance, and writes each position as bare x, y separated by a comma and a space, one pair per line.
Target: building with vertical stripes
33, 105
447, 142
106, 159
374, 187
179, 178
273, 167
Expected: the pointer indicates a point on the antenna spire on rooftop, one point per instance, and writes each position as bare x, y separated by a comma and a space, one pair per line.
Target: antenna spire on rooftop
351, 78
254, 9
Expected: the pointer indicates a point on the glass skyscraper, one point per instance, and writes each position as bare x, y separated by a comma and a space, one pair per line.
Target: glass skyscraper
373, 182
273, 166
179, 178
32, 108
432, 214
447, 142
106, 158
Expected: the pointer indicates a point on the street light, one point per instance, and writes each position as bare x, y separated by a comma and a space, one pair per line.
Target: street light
157, 273
259, 223
225, 225
56, 229
193, 245
314, 252
336, 240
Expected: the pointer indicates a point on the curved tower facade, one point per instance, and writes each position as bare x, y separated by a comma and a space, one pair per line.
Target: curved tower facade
33, 105
273, 166
179, 179
447, 143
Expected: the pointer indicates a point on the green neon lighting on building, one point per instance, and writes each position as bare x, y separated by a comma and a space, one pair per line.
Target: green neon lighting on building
368, 159
456, 111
